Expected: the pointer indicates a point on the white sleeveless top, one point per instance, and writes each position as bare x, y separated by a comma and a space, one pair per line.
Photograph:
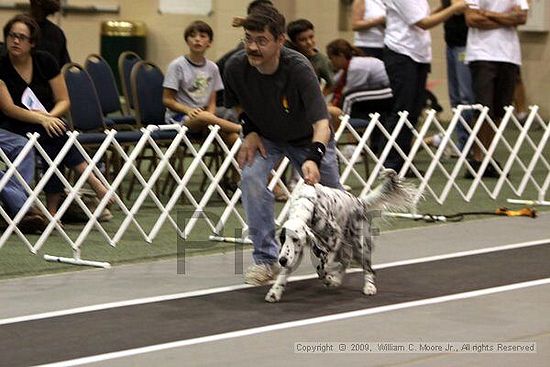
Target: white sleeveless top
372, 37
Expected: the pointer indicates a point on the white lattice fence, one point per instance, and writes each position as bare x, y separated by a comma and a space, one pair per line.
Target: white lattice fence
525, 153
164, 158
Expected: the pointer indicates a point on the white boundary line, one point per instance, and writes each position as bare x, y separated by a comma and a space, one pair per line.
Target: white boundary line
204, 292
299, 323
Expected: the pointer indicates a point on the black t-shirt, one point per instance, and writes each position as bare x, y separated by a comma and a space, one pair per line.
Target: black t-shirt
44, 69
52, 39
456, 30
221, 67
282, 106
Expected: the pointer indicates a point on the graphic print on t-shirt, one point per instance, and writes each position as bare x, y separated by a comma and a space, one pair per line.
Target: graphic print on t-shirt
199, 88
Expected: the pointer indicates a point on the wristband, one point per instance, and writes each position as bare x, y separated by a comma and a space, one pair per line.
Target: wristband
316, 153
247, 125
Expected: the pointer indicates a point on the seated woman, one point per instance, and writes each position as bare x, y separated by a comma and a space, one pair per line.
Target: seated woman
35, 83
356, 72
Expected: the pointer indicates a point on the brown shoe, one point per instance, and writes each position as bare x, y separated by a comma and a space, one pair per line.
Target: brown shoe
33, 223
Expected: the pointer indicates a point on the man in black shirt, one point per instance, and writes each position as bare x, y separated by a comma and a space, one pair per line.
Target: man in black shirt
284, 113
52, 39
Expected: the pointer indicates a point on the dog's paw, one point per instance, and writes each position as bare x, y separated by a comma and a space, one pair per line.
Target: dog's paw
274, 294
333, 280
369, 289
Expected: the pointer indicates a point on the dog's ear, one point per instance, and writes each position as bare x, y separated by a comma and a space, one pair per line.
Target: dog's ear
310, 235
282, 235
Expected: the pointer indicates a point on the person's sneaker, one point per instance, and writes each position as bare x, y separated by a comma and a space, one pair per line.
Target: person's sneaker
348, 150
261, 274
433, 140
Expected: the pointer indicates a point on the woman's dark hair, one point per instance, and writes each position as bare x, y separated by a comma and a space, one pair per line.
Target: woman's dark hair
34, 29
265, 17
200, 27
344, 48
294, 28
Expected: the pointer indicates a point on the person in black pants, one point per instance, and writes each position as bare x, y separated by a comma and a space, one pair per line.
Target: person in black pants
407, 56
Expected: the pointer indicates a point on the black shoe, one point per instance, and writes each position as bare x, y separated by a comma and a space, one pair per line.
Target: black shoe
229, 186
490, 171
33, 223
475, 166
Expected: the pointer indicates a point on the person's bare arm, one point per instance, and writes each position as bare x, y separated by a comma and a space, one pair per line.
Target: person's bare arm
53, 125
61, 96
212, 103
516, 16
321, 131
169, 101
457, 7
357, 21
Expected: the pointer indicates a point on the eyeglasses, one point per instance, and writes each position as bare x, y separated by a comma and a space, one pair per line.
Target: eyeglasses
20, 36
260, 41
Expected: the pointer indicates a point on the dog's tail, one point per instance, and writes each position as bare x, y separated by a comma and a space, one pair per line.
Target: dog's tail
393, 194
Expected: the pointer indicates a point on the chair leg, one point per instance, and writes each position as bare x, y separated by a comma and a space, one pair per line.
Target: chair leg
133, 179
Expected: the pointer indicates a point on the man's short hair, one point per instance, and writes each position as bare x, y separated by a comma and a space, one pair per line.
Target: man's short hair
48, 7
265, 18
294, 28
256, 4
200, 27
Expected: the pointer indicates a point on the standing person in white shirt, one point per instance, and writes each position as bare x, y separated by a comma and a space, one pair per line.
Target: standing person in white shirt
407, 56
494, 56
368, 19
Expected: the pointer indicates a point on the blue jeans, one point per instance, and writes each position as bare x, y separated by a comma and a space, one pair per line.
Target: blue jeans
13, 195
258, 201
460, 88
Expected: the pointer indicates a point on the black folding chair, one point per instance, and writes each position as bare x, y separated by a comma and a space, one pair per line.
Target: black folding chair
86, 116
107, 91
126, 62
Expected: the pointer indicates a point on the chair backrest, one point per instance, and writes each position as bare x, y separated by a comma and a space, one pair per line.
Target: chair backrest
85, 108
361, 103
146, 80
104, 82
126, 62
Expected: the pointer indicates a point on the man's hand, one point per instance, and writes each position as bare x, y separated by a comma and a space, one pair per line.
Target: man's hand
237, 22
311, 172
252, 143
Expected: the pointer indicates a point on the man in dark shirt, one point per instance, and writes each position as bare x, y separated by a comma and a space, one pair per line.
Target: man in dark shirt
52, 39
284, 113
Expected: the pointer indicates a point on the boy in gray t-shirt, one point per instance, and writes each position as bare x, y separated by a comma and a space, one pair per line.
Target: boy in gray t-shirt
191, 83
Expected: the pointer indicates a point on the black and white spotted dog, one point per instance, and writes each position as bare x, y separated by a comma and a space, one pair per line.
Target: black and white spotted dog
335, 224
